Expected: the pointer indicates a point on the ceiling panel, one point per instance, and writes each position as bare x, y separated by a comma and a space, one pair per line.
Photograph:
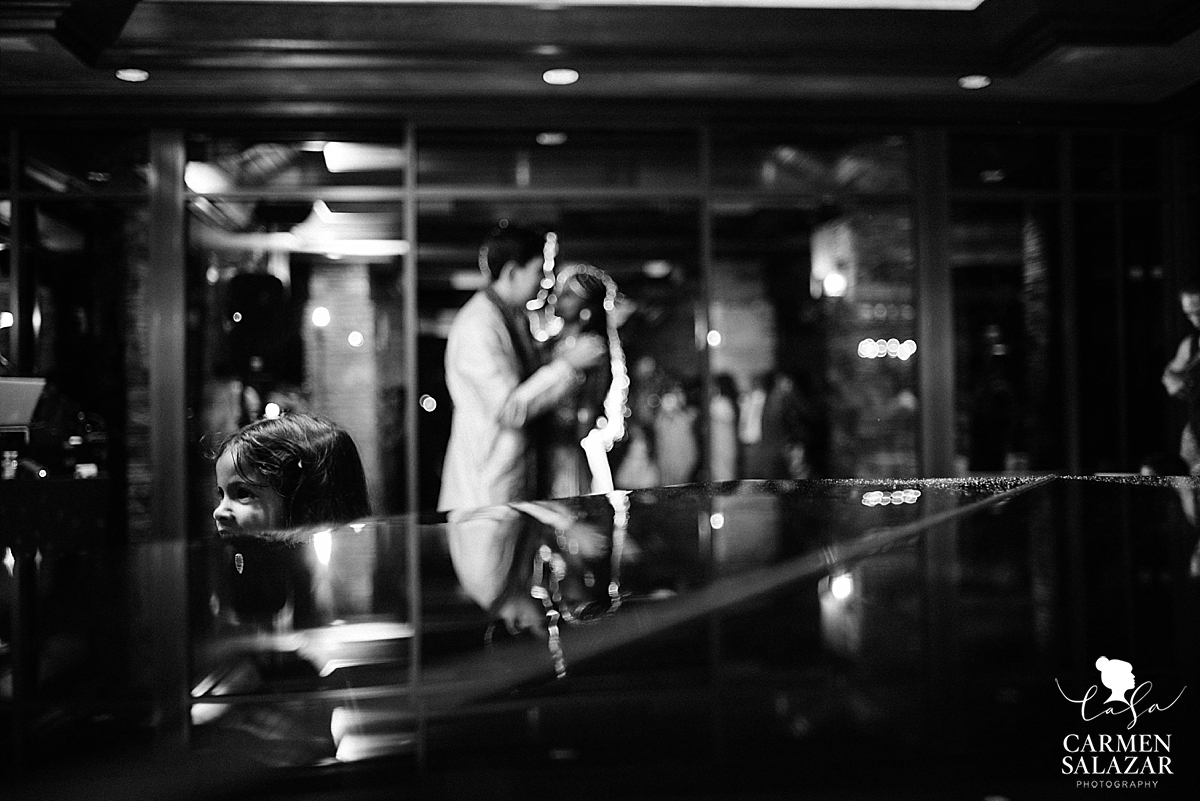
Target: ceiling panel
326, 52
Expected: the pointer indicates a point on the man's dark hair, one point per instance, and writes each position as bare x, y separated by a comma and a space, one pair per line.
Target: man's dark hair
509, 242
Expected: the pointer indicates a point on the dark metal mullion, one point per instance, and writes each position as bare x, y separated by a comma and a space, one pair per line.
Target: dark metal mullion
938, 550
1122, 335
704, 528
552, 194
935, 323
24, 282
376, 194
1122, 323
110, 197
1177, 251
704, 325
162, 560
1072, 519
24, 571
1069, 317
412, 531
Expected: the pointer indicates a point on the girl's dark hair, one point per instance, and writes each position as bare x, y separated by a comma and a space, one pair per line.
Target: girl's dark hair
311, 462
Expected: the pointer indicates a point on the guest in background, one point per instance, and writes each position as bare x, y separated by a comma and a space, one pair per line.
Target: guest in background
1164, 464
1182, 375
784, 430
675, 436
638, 463
723, 420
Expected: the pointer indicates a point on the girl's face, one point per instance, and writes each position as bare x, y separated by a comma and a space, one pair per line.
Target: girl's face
242, 506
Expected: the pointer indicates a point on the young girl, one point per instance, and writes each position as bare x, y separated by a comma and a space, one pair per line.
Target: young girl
288, 471
274, 476
278, 480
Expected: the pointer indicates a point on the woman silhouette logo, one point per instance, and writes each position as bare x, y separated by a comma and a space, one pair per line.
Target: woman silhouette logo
1117, 676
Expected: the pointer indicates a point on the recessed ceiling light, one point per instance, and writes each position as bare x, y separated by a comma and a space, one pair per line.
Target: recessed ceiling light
547, 50
974, 82
550, 138
133, 75
560, 77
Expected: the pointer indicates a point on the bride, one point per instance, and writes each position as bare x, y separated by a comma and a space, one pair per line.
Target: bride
589, 421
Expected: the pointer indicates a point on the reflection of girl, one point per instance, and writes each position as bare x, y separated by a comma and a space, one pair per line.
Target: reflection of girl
1116, 675
587, 425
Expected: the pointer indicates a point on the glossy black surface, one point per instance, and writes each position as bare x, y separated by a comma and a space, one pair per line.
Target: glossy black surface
738, 638
920, 639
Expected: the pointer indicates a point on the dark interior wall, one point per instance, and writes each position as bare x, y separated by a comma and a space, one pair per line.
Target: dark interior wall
1131, 238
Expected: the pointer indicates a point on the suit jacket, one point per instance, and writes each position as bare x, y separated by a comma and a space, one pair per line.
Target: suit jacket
499, 390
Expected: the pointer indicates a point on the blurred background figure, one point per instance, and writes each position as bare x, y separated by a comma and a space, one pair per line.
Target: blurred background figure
1162, 463
638, 463
675, 437
1182, 375
777, 429
723, 417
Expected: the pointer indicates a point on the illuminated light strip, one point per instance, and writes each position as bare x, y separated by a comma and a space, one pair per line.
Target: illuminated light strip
894, 498
893, 348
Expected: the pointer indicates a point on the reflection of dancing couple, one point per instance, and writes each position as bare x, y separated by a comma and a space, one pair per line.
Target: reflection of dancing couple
527, 423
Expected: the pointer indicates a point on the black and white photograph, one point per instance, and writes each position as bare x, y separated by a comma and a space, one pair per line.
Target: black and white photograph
605, 400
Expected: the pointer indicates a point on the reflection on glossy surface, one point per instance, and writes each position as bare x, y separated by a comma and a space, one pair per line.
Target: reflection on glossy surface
759, 619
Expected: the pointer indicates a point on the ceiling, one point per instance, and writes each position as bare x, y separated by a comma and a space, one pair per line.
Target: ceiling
329, 55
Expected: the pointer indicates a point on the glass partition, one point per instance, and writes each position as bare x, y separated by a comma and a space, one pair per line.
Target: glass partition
650, 251
1146, 295
5, 159
814, 309
1127, 335
73, 481
1007, 285
293, 162
88, 163
1002, 161
569, 157
811, 162
296, 251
